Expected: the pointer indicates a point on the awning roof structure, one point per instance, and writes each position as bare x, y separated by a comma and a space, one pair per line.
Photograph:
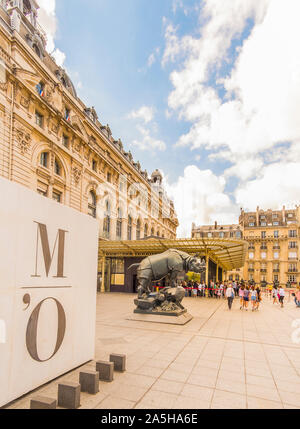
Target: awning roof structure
228, 253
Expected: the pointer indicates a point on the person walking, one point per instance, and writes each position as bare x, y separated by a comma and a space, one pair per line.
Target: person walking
258, 300
246, 298
234, 287
297, 297
241, 295
230, 296
253, 297
274, 295
281, 296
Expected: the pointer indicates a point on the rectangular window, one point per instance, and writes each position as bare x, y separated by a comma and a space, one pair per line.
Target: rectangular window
94, 165
56, 195
66, 141
118, 266
39, 119
109, 177
292, 268
292, 233
292, 278
263, 255
276, 234
263, 224
251, 224
42, 192
276, 255
263, 234
44, 159
292, 244
275, 223
251, 255
293, 255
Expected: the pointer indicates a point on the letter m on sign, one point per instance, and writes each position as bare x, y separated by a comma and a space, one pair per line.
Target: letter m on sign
48, 256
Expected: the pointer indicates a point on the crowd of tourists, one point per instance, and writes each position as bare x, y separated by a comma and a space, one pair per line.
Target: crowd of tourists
249, 296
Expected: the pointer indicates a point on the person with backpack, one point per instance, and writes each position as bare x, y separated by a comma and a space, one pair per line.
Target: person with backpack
230, 296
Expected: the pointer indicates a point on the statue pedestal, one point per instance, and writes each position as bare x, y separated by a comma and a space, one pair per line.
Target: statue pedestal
182, 319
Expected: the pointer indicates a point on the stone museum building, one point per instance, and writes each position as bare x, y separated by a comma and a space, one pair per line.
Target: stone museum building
273, 237
53, 144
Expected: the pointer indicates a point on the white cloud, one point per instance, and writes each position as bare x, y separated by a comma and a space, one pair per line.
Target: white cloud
152, 57
277, 185
48, 21
199, 197
147, 142
255, 120
245, 168
145, 113
59, 57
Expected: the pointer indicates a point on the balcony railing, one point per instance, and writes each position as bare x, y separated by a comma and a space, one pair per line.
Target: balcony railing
251, 270
276, 247
263, 270
276, 270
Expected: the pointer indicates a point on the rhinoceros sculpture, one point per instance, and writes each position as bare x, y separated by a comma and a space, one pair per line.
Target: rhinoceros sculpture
170, 263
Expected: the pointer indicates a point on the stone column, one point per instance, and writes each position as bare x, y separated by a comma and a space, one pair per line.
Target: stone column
206, 272
103, 274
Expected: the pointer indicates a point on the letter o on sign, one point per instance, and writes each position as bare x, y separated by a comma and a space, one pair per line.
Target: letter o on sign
31, 333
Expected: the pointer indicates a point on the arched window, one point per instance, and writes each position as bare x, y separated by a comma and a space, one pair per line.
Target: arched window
158, 234
152, 232
146, 231
129, 228
44, 160
57, 167
106, 223
92, 204
138, 230
119, 225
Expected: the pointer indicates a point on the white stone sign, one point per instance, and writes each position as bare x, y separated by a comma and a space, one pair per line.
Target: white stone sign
48, 276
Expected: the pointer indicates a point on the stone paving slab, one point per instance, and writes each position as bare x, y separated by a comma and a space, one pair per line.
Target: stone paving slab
221, 359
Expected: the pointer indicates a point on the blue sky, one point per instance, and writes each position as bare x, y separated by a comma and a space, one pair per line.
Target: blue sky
206, 91
109, 57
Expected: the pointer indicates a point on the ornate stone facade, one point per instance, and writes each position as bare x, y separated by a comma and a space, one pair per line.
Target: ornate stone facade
274, 241
55, 145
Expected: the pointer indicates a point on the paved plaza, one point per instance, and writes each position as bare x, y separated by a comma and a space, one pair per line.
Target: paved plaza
221, 359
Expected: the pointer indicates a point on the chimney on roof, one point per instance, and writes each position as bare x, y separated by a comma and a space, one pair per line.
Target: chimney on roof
216, 225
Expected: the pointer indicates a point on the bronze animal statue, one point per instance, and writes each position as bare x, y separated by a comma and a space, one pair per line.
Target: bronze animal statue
170, 263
